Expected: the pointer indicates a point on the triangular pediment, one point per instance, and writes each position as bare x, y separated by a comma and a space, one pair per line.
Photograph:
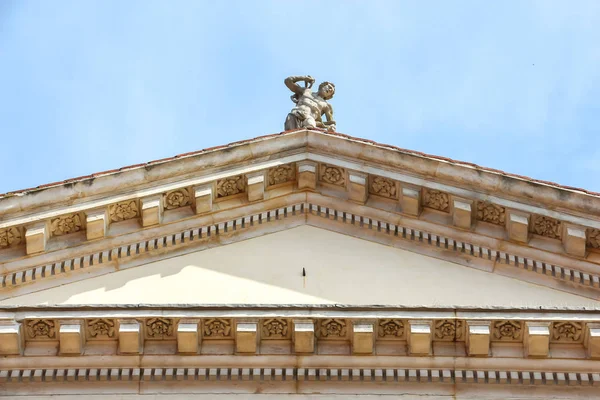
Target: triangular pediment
339, 269
112, 229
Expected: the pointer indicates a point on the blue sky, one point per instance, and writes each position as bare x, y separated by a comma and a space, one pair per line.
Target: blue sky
89, 85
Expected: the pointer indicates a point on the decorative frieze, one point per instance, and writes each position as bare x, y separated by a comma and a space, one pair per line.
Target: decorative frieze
66, 224
123, 211
332, 175
41, 329
436, 200
231, 186
177, 198
101, 328
11, 236
281, 174
217, 328
492, 213
390, 329
384, 187
332, 328
275, 328
508, 331
546, 226
567, 332
159, 328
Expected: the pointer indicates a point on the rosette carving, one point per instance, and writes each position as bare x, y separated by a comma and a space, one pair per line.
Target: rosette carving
159, 328
101, 328
567, 331
390, 328
41, 329
66, 224
282, 174
333, 328
123, 211
217, 328
383, 187
10, 236
593, 238
436, 200
177, 198
230, 186
546, 226
448, 329
507, 330
492, 213
275, 328
333, 175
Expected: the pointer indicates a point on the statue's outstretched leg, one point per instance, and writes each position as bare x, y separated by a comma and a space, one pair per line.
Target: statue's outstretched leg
291, 122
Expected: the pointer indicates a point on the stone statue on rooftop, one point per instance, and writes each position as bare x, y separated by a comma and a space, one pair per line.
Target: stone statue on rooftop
310, 106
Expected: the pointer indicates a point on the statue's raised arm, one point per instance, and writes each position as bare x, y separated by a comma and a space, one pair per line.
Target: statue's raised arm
310, 106
292, 83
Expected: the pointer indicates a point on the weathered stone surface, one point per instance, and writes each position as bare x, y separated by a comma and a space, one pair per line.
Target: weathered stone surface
310, 106
574, 240
71, 338
307, 175
357, 187
246, 337
36, 236
536, 341
188, 338
96, 223
304, 336
419, 337
130, 337
517, 226
152, 210
410, 200
11, 340
256, 186
363, 338
203, 198
478, 338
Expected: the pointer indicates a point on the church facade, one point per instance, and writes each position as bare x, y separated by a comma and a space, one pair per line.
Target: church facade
303, 265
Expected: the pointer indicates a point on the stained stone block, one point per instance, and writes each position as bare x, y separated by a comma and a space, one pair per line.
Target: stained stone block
152, 210
478, 338
36, 236
96, 223
71, 338
307, 175
187, 337
357, 187
130, 337
592, 341
256, 186
419, 338
11, 340
203, 198
517, 226
574, 239
536, 341
304, 336
410, 200
462, 213
362, 338
246, 337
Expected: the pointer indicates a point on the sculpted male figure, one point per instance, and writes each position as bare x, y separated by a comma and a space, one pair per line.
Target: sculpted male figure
310, 106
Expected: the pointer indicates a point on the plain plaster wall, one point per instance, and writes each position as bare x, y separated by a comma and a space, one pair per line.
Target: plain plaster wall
339, 268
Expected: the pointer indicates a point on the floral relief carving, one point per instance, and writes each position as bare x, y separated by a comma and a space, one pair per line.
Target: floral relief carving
546, 226
567, 331
333, 175
593, 238
507, 330
10, 236
383, 187
158, 328
101, 328
275, 328
281, 174
492, 213
230, 186
436, 200
177, 198
41, 329
66, 224
333, 327
123, 211
388, 328
448, 329
217, 328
